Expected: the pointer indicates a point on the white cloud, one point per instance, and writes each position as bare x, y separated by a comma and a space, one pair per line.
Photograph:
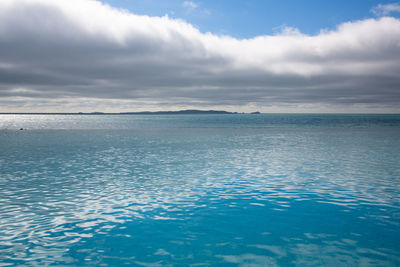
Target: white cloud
83, 49
286, 30
189, 4
384, 10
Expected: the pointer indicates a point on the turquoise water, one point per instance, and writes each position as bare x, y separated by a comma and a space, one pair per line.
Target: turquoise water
226, 190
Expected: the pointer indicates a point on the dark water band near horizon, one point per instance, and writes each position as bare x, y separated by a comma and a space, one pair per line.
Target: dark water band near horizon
207, 190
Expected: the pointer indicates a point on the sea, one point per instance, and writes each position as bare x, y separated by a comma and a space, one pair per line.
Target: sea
200, 190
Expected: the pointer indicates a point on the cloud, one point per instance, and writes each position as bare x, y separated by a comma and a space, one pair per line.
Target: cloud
384, 10
63, 55
189, 4
192, 8
286, 30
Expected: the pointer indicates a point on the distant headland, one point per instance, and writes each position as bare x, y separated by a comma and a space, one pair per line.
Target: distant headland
178, 112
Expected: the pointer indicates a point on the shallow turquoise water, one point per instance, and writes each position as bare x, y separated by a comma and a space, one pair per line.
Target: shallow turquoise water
200, 189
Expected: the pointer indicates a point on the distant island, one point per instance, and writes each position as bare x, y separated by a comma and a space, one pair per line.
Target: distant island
187, 111
179, 112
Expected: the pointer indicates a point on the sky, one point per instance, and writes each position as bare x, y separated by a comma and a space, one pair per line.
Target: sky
250, 18
136, 55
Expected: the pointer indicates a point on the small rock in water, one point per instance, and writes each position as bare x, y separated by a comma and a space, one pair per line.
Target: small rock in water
21, 129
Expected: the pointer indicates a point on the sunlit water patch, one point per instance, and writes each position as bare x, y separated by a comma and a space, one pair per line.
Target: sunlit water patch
209, 190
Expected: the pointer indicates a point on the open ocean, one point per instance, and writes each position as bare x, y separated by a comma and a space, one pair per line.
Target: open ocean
186, 190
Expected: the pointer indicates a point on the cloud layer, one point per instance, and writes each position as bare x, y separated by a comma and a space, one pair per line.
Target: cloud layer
58, 55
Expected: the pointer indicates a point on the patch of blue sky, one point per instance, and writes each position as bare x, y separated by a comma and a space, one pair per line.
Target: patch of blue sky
247, 19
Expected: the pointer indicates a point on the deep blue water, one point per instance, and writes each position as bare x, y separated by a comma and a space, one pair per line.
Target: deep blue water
226, 190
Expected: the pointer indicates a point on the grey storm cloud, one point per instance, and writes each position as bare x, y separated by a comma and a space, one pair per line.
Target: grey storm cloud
88, 53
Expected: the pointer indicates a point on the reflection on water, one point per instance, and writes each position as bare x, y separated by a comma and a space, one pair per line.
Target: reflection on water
325, 195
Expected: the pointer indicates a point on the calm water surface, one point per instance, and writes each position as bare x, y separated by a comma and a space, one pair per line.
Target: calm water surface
226, 190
